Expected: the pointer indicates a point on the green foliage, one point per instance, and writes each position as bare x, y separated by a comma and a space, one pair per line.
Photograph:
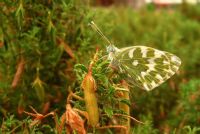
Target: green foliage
35, 31
11, 124
146, 128
56, 43
105, 86
193, 130
186, 111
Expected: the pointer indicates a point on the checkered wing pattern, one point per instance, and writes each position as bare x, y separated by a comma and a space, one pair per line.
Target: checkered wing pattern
146, 67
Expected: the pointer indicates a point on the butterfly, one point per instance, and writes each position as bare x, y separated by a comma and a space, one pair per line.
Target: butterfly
145, 67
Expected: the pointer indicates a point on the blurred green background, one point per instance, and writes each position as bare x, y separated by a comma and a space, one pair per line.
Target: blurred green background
41, 41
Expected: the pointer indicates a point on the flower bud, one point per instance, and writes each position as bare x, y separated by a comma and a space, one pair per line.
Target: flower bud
89, 87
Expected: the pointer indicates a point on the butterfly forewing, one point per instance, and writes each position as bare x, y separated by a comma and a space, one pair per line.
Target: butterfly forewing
146, 67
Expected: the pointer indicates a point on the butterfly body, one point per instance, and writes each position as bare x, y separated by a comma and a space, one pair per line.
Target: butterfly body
144, 67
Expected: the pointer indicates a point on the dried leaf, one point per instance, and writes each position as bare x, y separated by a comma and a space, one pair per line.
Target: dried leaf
66, 47
20, 107
74, 120
1, 44
18, 74
46, 107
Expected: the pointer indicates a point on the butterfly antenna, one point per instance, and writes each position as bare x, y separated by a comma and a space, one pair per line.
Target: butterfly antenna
94, 26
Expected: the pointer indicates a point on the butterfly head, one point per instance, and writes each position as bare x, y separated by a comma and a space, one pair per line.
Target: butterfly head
111, 49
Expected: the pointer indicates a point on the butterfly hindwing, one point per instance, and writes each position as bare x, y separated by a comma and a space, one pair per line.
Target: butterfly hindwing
146, 67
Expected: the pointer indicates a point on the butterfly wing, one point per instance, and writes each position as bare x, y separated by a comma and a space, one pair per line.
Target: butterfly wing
146, 67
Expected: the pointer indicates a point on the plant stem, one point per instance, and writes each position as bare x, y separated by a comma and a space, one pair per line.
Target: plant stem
125, 107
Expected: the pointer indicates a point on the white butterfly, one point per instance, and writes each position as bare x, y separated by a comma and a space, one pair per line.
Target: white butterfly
144, 67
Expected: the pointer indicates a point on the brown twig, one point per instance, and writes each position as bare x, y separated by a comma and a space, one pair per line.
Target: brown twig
73, 95
37, 116
134, 119
114, 126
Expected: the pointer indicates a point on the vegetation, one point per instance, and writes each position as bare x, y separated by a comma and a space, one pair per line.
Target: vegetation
49, 55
